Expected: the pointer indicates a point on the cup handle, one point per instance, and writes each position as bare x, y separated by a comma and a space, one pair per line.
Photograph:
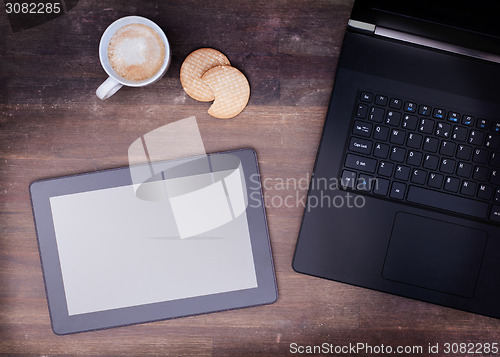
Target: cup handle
108, 88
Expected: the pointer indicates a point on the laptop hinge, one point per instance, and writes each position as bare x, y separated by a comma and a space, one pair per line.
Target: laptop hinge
363, 27
439, 45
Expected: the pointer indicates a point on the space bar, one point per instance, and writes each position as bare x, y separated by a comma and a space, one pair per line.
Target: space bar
447, 202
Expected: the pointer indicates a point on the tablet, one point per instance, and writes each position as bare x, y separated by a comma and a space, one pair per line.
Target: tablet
115, 252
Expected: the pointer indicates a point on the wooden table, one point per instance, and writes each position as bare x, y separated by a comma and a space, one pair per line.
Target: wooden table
52, 124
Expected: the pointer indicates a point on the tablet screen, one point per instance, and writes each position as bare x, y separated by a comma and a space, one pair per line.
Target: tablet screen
117, 251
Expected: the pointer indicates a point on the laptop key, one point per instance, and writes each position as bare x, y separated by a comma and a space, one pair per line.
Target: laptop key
381, 151
348, 179
398, 190
360, 163
495, 213
361, 146
395, 103
385, 168
377, 114
459, 133
481, 173
482, 124
495, 177
362, 129
468, 188
414, 140
410, 107
366, 97
484, 192
492, 141
381, 133
362, 111
443, 130
393, 118
496, 199
480, 156
398, 154
381, 100
454, 117
447, 202
431, 144
410, 122
451, 184
414, 158
468, 120
495, 159
418, 176
364, 183
435, 180
381, 187
464, 152
426, 126
424, 110
447, 166
397, 137
476, 137
431, 162
464, 169
402, 173
439, 113
447, 148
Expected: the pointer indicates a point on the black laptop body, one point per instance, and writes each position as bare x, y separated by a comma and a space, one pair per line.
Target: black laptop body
405, 193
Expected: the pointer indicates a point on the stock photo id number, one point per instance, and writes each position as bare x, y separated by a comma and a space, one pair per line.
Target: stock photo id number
32, 8
27, 14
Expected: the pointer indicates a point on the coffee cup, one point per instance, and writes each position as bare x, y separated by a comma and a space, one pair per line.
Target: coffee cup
134, 52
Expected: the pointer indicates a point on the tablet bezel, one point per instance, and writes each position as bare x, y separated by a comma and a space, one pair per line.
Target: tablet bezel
63, 323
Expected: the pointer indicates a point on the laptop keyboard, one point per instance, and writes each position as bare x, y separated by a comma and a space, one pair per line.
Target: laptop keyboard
408, 151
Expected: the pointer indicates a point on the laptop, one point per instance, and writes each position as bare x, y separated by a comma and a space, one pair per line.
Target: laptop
405, 193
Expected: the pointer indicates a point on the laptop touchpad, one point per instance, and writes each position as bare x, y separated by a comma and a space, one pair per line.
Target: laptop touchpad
434, 254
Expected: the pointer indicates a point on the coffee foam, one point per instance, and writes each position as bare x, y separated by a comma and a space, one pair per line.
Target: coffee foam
136, 52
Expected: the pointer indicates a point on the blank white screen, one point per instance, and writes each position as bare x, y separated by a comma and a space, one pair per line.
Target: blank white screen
118, 251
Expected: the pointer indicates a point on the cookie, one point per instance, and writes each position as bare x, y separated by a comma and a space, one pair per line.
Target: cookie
231, 90
194, 66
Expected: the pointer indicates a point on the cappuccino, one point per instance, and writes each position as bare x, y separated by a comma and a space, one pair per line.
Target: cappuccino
136, 52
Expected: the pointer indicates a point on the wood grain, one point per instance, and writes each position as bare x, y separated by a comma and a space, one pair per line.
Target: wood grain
51, 124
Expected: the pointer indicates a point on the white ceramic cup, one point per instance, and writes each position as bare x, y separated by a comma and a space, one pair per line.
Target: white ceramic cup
115, 82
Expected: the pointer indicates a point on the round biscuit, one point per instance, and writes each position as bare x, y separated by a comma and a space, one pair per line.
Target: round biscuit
194, 66
231, 90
